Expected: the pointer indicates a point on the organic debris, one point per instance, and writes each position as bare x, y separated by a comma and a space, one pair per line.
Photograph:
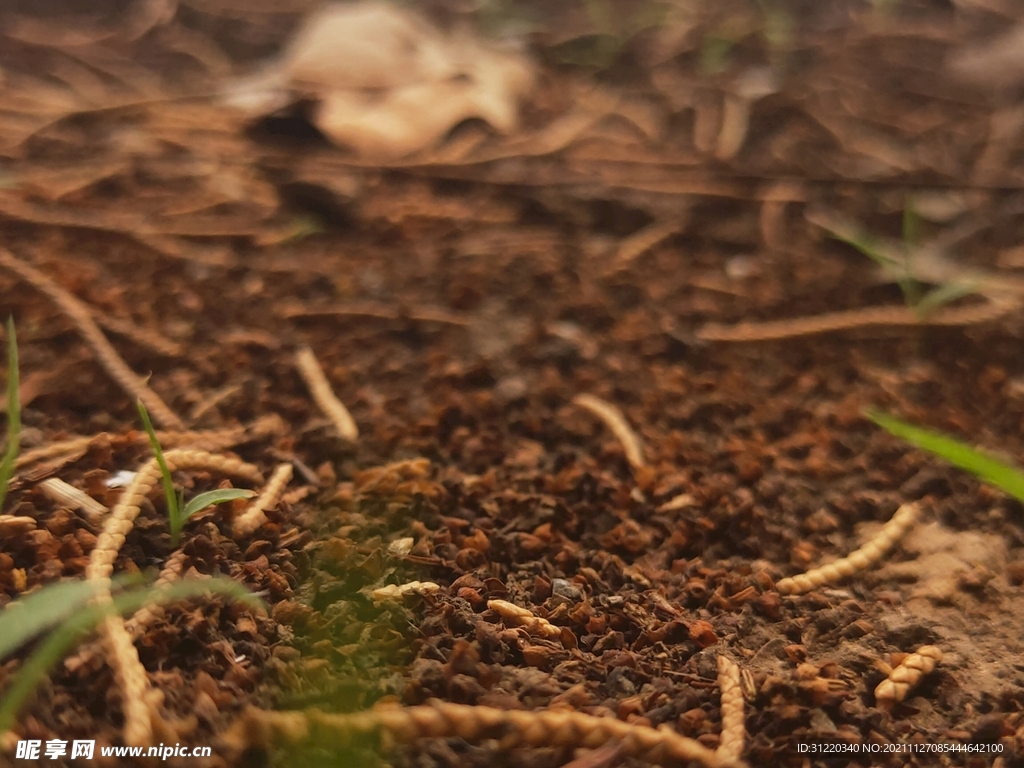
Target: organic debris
449, 545
398, 84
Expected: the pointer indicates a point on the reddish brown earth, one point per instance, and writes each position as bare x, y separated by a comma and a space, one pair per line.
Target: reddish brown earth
458, 309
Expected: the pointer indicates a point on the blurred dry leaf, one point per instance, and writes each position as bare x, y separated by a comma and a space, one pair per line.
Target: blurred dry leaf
751, 86
993, 64
384, 47
397, 85
141, 17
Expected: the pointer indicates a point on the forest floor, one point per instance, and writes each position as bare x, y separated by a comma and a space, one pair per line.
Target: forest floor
459, 302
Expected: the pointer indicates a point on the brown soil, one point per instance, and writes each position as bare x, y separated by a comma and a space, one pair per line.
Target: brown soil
459, 307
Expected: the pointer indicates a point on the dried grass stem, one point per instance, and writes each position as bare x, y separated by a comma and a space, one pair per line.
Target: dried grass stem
852, 319
862, 558
105, 353
734, 730
311, 372
517, 728
255, 514
616, 422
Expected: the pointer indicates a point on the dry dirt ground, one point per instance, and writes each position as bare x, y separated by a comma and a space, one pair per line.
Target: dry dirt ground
460, 301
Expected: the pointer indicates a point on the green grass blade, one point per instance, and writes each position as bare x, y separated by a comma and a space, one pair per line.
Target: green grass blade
86, 620
218, 496
894, 259
908, 285
13, 412
1006, 477
910, 223
943, 295
867, 246
34, 614
896, 268
173, 506
40, 611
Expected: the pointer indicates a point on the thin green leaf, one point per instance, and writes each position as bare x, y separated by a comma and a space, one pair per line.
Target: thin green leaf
34, 614
1002, 475
908, 285
910, 223
302, 227
778, 25
86, 620
13, 412
911, 290
218, 496
943, 295
897, 268
173, 505
714, 53
869, 247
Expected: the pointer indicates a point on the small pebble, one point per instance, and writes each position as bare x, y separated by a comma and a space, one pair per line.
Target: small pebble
566, 589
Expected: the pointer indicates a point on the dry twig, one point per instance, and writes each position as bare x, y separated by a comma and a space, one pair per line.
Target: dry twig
867, 555
906, 675
14, 525
522, 617
141, 336
616, 422
255, 514
373, 310
320, 388
205, 440
386, 478
131, 223
170, 573
639, 243
734, 731
74, 446
57, 490
852, 319
137, 700
438, 719
398, 591
105, 353
211, 401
